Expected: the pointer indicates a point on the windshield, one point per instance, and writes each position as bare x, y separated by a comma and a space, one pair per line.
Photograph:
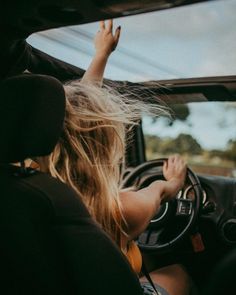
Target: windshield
189, 41
203, 132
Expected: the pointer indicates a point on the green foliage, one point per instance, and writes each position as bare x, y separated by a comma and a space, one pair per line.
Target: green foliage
183, 144
231, 150
228, 154
181, 111
178, 112
186, 144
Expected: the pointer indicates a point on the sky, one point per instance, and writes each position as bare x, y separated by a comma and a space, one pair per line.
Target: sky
190, 41
212, 124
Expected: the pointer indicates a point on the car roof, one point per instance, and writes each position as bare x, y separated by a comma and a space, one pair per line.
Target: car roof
27, 17
34, 16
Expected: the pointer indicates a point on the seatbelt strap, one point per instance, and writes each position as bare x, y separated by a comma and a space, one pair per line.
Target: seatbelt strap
146, 273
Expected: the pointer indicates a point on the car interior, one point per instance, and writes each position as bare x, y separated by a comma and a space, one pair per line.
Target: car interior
44, 246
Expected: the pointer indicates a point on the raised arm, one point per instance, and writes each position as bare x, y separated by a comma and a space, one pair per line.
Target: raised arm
105, 42
139, 207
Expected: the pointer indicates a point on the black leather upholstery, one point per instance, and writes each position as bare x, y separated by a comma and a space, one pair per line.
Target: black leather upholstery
17, 55
50, 245
32, 109
48, 242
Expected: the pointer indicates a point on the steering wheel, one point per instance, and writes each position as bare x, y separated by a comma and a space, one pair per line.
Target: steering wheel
174, 219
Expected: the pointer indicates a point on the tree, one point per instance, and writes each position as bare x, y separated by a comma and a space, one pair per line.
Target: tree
152, 143
180, 112
183, 143
231, 150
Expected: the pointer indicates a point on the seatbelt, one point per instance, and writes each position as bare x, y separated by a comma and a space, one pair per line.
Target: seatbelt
146, 273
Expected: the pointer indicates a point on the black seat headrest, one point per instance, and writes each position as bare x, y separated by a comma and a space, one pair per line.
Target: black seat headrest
32, 113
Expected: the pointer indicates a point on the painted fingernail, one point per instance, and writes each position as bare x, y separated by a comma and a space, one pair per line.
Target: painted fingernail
119, 27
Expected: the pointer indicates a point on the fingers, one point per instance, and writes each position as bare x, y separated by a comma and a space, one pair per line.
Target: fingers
174, 159
170, 161
174, 162
109, 25
165, 166
117, 34
102, 25
175, 168
105, 40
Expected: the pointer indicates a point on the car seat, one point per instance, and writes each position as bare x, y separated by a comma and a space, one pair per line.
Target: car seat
49, 243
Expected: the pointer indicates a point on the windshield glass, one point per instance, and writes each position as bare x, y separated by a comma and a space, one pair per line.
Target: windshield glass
189, 41
203, 132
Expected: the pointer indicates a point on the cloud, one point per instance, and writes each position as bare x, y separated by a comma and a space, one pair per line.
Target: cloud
189, 41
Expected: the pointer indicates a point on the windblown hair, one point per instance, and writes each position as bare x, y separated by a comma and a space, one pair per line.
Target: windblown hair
91, 150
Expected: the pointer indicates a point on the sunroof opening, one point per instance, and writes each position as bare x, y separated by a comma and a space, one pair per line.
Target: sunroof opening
196, 40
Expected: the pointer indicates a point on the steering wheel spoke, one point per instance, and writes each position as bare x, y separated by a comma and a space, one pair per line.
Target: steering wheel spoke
150, 237
184, 207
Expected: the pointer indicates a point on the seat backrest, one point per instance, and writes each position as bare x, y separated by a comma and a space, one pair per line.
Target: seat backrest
49, 243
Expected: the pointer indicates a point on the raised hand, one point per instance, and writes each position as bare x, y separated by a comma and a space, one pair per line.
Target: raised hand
105, 41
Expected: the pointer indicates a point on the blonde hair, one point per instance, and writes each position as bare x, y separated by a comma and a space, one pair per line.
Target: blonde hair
91, 149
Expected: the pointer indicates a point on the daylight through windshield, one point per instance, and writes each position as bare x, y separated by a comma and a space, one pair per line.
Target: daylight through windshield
190, 41
204, 132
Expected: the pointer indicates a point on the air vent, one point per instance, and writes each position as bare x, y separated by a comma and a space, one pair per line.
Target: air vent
229, 231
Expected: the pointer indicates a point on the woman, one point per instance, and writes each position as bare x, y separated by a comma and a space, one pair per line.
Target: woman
91, 152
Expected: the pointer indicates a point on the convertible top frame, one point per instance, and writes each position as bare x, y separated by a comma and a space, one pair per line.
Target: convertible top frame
182, 90
34, 16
